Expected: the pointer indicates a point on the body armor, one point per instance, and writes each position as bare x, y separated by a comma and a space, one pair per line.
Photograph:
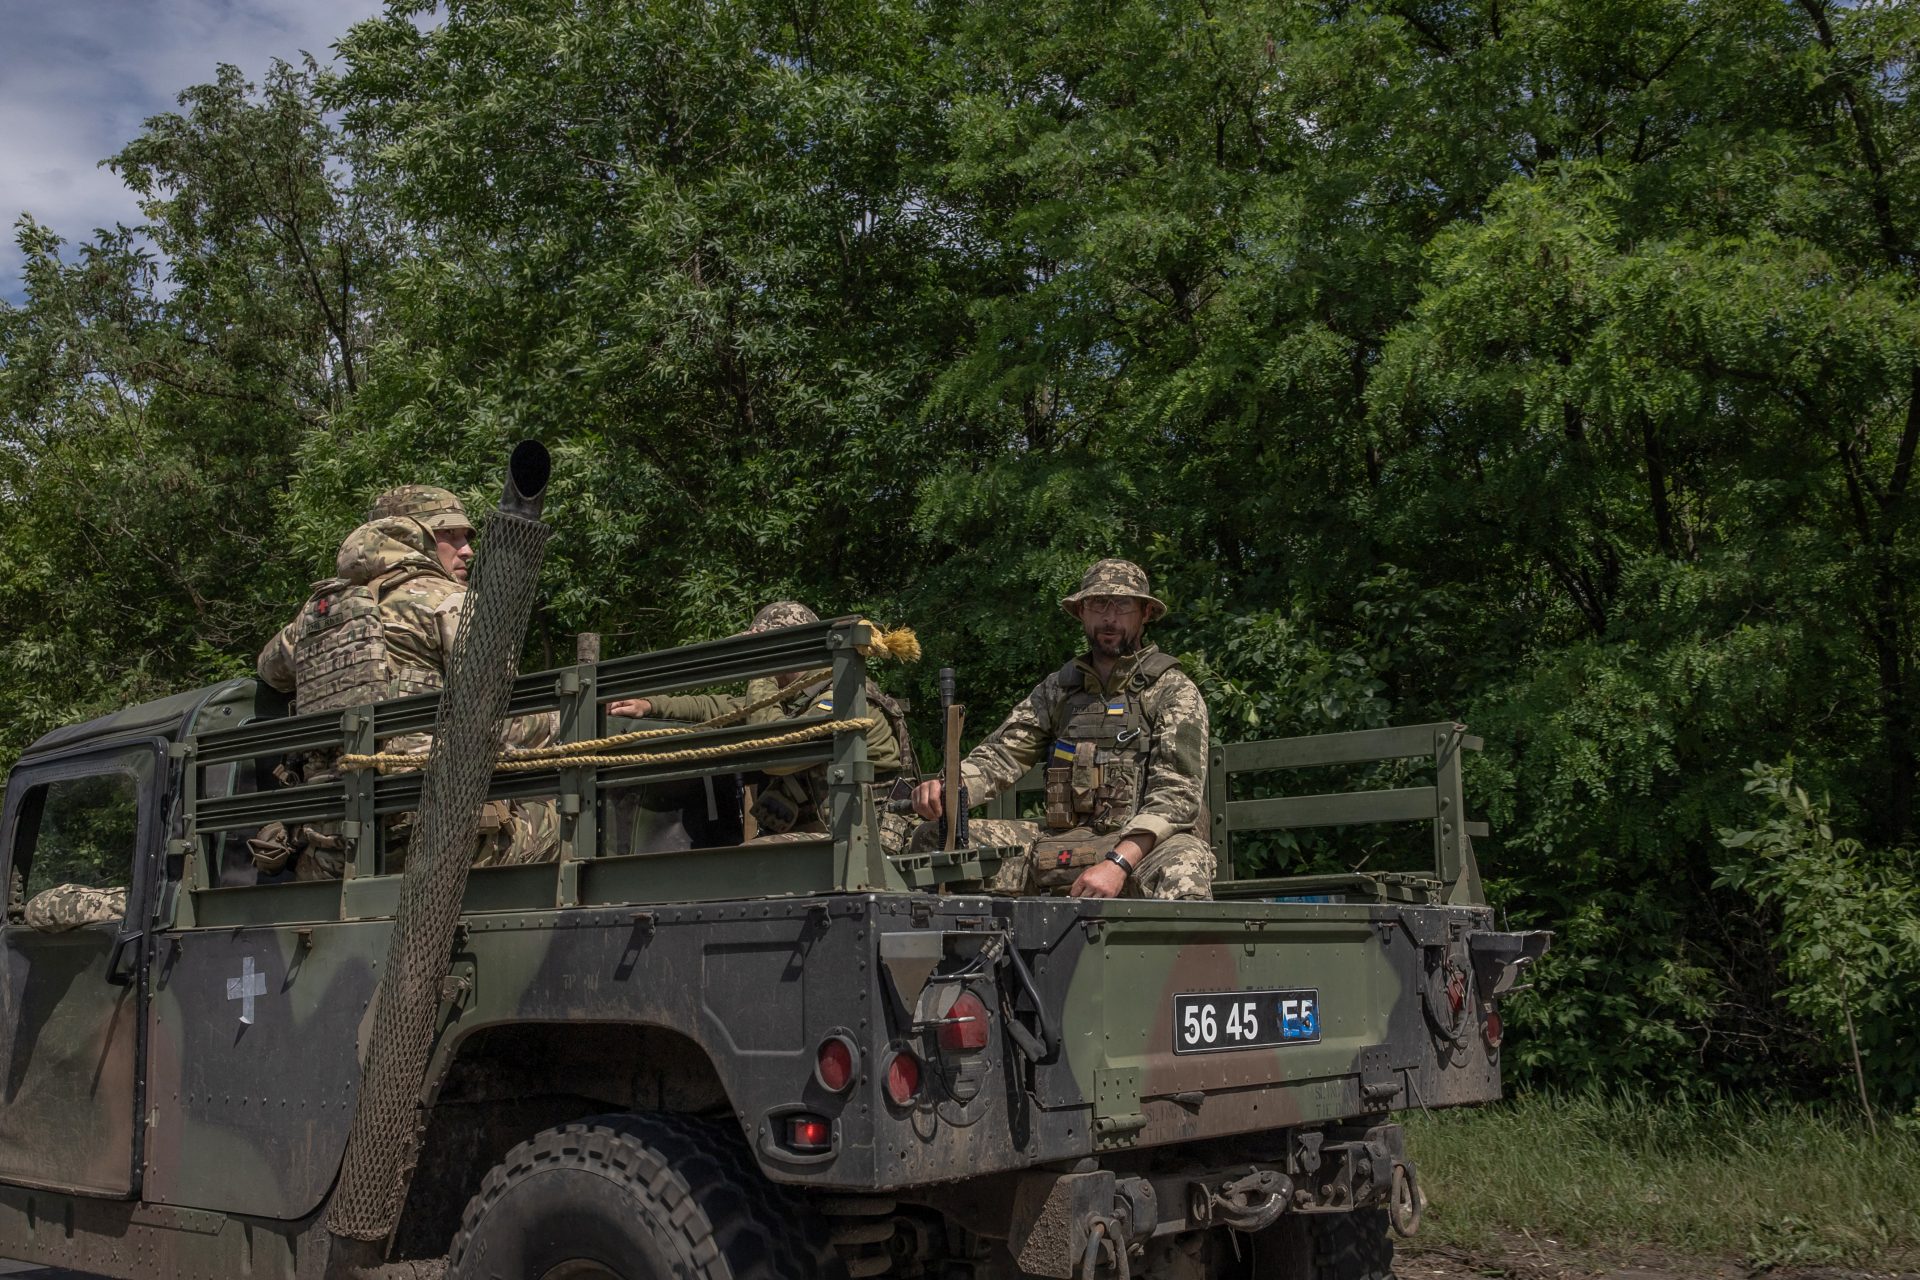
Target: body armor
340, 656
787, 802
1096, 770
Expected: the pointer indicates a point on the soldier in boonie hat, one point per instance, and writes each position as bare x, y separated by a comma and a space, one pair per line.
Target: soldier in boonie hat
1117, 580
1123, 733
431, 505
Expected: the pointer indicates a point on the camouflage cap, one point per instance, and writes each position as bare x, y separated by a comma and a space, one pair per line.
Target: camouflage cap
432, 506
1115, 578
782, 613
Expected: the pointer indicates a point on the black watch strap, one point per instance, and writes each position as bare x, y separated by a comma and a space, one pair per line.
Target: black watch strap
1115, 857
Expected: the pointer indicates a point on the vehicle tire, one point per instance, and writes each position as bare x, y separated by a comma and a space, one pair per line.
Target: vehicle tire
1325, 1246
1352, 1246
634, 1197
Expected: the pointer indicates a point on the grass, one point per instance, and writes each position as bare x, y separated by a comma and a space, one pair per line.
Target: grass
1769, 1184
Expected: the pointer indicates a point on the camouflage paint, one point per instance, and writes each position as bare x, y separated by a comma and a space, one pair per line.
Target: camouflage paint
753, 955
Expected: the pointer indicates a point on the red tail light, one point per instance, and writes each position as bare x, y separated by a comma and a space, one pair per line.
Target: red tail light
834, 1066
809, 1133
1494, 1028
966, 1024
903, 1078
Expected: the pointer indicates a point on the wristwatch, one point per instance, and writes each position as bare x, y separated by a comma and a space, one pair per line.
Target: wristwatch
1115, 858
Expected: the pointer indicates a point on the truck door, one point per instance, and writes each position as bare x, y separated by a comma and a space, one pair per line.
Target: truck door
72, 1017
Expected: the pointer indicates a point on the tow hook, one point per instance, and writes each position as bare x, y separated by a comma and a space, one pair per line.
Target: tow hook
1247, 1203
1404, 1201
1105, 1248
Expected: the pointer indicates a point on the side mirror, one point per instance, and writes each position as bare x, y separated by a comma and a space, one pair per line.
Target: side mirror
124, 961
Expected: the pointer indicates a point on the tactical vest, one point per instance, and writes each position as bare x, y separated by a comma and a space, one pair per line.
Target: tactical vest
791, 800
340, 656
1096, 767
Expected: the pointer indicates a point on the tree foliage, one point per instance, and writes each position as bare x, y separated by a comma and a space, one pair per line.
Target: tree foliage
1547, 366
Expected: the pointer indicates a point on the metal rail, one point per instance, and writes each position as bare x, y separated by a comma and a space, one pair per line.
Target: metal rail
579, 694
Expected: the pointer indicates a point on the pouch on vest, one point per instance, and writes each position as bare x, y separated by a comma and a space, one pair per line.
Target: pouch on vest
1059, 859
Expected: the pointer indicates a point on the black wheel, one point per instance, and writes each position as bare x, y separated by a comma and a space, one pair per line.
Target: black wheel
1326, 1246
628, 1197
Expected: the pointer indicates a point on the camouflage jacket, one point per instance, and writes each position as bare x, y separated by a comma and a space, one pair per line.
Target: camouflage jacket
883, 747
1175, 787
420, 615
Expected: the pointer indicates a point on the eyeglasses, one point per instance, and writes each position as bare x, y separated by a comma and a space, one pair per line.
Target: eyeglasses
1109, 606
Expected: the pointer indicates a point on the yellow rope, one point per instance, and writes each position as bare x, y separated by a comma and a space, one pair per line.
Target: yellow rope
900, 644
807, 733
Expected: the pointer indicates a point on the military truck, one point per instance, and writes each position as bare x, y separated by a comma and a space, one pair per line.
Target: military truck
663, 1056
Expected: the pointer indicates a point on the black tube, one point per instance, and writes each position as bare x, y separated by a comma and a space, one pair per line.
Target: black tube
527, 473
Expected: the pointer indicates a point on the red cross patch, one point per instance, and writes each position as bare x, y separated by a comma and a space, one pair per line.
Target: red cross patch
1065, 857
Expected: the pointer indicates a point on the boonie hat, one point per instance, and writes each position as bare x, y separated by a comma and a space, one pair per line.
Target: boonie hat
432, 506
782, 613
1115, 578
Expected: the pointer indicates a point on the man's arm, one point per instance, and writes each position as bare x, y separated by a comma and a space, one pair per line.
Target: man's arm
1016, 746
275, 663
1176, 781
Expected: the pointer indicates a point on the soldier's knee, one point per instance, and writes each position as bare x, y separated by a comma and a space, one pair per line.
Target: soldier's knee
1181, 868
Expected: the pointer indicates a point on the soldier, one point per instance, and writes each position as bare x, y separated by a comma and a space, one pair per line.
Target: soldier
1124, 734
384, 627
794, 804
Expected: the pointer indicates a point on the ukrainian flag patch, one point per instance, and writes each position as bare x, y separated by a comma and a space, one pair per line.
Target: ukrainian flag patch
825, 704
1118, 707
1063, 752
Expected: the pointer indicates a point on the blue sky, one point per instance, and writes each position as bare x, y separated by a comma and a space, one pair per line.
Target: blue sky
77, 78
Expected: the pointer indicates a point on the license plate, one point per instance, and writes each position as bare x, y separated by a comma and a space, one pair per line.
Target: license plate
1213, 1021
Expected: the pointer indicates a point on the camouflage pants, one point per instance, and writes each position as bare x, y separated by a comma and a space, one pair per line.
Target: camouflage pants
510, 834
1179, 867
531, 833
68, 906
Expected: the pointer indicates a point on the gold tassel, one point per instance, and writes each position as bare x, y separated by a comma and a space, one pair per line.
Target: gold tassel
900, 644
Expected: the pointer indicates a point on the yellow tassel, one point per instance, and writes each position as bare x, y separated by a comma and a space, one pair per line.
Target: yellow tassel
900, 644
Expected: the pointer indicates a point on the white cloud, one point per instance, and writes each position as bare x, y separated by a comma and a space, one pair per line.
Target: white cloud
78, 78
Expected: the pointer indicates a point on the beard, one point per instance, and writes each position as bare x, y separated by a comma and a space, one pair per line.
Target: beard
1108, 640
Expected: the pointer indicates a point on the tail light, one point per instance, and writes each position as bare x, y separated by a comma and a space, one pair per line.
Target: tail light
1494, 1029
966, 1025
835, 1064
809, 1133
903, 1078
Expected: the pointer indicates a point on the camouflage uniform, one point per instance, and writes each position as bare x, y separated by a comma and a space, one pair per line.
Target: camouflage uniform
1125, 755
406, 615
68, 906
791, 806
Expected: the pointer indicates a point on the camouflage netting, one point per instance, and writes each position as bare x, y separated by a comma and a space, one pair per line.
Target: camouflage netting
466, 739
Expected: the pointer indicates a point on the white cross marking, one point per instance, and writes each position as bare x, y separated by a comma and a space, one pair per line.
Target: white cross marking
245, 987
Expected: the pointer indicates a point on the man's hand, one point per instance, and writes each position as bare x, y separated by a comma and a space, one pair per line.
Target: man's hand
1101, 880
1106, 879
927, 800
632, 708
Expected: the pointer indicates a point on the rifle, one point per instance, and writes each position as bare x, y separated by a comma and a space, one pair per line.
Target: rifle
953, 791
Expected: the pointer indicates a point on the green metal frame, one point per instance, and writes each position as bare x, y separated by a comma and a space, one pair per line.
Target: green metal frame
847, 859
850, 853
1456, 874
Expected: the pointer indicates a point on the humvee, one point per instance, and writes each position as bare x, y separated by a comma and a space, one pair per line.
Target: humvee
662, 1055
